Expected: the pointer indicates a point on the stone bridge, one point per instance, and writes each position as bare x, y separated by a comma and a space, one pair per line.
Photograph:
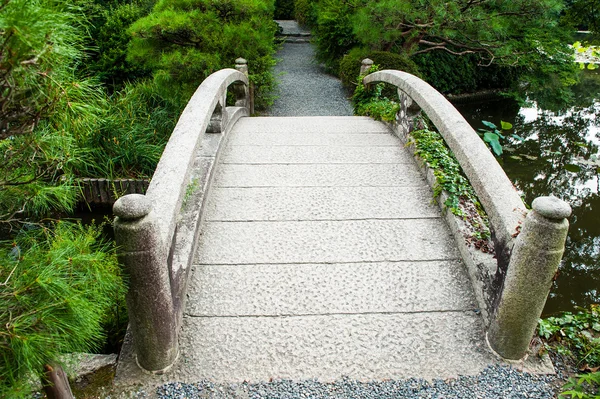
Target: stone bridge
311, 247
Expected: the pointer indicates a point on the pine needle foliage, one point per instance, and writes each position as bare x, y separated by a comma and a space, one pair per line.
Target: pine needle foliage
57, 286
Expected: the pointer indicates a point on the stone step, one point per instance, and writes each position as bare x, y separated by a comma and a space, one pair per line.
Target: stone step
319, 203
315, 154
363, 347
319, 175
325, 241
313, 289
309, 125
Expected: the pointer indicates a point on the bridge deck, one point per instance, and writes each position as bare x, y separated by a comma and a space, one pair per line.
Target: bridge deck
322, 256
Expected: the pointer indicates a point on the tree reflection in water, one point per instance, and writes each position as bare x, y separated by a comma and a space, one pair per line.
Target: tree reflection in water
557, 158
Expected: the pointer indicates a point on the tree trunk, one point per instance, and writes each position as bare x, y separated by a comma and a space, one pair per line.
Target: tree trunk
55, 382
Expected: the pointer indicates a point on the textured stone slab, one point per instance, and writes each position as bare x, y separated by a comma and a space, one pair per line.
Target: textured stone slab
325, 241
315, 154
308, 125
364, 347
332, 139
311, 289
319, 175
319, 203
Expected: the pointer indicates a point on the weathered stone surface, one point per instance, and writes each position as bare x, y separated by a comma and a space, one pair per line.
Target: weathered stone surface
320, 203
132, 206
500, 199
551, 208
534, 261
325, 241
364, 347
315, 154
331, 139
319, 175
309, 125
310, 289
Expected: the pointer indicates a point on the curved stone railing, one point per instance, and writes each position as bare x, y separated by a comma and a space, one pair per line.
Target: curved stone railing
156, 233
528, 246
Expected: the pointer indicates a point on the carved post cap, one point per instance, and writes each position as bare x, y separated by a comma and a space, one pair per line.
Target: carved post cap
551, 207
366, 65
241, 61
132, 207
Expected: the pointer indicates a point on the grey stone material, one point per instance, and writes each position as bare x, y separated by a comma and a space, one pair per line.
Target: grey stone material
310, 125
319, 203
132, 207
498, 196
332, 139
535, 259
366, 65
329, 347
325, 241
244, 154
307, 289
157, 234
172, 174
319, 175
551, 208
152, 320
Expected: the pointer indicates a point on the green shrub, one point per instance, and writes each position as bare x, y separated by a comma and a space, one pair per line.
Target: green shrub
109, 38
130, 139
60, 285
306, 12
351, 63
183, 41
284, 9
334, 34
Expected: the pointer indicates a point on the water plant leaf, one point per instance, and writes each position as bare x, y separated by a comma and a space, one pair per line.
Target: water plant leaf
506, 125
572, 168
591, 66
489, 124
516, 136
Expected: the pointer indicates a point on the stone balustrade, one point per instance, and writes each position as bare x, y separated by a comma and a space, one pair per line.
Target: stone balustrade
528, 247
156, 233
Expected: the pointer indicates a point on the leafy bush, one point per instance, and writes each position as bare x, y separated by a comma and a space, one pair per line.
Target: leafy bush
284, 9
305, 12
59, 285
183, 41
130, 139
109, 39
334, 34
575, 334
351, 63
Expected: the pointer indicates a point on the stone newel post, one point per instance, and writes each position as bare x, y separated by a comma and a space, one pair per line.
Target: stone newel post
533, 263
247, 93
366, 64
149, 300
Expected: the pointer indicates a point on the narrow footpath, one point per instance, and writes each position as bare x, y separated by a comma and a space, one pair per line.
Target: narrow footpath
304, 88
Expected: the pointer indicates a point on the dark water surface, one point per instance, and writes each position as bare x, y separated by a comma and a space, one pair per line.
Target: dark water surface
559, 156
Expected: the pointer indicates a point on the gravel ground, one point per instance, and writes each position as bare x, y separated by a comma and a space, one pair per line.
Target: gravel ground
304, 88
493, 383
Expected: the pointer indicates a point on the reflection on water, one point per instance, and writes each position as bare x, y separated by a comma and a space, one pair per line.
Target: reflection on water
558, 157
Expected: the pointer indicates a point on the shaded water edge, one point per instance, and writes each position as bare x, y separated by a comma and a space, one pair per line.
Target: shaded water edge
559, 156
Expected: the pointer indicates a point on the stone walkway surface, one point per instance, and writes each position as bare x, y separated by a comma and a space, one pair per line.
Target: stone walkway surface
322, 256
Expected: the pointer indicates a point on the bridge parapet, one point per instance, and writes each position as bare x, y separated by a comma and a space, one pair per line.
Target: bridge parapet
528, 247
156, 233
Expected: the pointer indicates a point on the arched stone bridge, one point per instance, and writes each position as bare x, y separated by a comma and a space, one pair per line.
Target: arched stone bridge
310, 247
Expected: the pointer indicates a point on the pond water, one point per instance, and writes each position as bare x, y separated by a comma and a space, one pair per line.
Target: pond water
559, 156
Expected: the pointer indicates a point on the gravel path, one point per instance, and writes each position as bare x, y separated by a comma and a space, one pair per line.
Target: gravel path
304, 88
493, 383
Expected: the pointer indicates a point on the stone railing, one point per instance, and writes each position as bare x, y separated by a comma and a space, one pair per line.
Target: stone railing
156, 233
528, 246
